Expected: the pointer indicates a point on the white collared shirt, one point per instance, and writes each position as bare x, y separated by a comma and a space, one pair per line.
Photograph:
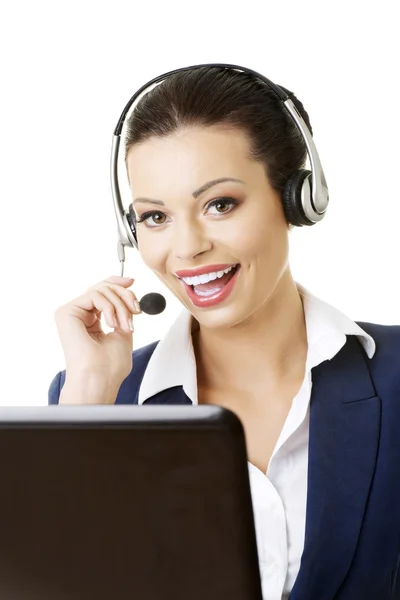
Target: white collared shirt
279, 495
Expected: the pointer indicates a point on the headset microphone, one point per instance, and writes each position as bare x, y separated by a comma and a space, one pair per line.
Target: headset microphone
153, 303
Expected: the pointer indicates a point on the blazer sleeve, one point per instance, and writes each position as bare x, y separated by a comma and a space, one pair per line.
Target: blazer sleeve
129, 390
55, 388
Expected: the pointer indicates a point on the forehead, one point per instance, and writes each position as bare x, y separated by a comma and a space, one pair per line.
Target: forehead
192, 154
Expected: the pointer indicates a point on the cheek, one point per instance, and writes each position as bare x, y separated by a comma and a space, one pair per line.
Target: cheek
259, 239
152, 253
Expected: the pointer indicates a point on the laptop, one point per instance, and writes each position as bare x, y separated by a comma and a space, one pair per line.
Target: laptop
125, 502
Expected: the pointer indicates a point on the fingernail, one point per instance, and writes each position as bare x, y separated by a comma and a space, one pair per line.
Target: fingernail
130, 321
137, 306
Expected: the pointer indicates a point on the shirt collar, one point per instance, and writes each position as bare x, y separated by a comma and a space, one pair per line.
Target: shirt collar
173, 362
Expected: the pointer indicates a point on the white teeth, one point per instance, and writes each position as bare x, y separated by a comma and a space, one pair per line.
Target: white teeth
206, 277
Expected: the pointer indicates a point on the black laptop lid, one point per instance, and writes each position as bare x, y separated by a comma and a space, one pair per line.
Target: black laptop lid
125, 502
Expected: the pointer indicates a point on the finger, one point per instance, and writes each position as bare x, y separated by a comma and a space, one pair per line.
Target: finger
127, 296
122, 311
118, 278
94, 303
124, 281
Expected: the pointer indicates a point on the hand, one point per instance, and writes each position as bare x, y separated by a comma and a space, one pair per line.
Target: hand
97, 362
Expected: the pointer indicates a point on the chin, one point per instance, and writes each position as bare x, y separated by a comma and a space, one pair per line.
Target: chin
219, 319
224, 316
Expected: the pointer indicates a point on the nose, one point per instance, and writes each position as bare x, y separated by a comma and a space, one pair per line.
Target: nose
190, 241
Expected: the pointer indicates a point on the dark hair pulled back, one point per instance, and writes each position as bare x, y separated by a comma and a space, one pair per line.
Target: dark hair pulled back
217, 96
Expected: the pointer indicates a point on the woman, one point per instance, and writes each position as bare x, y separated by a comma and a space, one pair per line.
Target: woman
208, 153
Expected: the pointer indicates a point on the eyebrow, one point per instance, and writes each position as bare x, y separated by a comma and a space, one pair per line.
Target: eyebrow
196, 193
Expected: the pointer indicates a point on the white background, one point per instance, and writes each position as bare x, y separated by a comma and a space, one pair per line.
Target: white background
68, 69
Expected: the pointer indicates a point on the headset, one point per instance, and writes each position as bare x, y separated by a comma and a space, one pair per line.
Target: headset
305, 196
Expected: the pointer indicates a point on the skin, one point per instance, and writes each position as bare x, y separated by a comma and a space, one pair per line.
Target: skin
262, 319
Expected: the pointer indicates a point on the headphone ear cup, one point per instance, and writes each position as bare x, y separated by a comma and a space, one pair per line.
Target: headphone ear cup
131, 218
291, 198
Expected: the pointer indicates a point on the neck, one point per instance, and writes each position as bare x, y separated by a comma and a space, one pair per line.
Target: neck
271, 346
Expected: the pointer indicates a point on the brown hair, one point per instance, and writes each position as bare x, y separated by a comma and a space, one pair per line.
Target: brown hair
217, 96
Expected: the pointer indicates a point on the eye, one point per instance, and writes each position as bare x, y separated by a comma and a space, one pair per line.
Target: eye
222, 205
156, 215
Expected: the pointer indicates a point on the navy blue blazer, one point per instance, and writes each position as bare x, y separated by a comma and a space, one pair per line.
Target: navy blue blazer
352, 536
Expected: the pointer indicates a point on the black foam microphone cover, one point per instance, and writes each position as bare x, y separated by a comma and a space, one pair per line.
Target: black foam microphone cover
153, 303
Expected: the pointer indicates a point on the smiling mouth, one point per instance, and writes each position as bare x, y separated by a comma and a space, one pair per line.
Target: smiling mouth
211, 293
215, 285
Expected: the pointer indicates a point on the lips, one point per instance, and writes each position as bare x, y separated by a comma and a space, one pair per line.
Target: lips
202, 270
221, 294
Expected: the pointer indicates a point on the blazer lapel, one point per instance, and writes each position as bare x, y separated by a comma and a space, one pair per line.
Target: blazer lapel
174, 395
345, 418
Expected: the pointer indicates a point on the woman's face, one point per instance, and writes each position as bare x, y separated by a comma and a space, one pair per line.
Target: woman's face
206, 206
